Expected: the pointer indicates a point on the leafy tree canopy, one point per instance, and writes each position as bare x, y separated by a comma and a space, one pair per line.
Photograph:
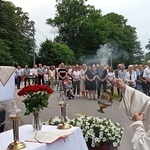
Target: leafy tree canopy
76, 25
83, 28
148, 45
16, 34
52, 53
146, 58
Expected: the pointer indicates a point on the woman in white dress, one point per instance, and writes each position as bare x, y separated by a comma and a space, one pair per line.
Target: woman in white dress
82, 80
110, 78
76, 81
52, 74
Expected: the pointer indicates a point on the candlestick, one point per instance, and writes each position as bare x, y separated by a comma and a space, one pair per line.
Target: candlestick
63, 124
15, 114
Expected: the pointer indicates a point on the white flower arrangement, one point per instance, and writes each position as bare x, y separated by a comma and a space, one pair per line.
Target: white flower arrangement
95, 129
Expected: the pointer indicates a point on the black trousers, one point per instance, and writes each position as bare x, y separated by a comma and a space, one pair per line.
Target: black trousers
25, 81
41, 78
148, 89
99, 85
18, 81
144, 88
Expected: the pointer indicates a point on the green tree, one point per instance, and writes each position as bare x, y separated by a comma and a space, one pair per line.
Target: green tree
125, 37
84, 29
146, 57
52, 53
148, 45
5, 57
17, 33
76, 23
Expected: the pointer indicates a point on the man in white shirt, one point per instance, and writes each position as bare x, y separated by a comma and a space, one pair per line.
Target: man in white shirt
146, 75
35, 74
131, 77
18, 74
40, 71
26, 74
122, 73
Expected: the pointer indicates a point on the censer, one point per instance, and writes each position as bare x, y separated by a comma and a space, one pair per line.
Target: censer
105, 100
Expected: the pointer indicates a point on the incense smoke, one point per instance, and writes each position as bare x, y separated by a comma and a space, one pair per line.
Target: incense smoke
105, 55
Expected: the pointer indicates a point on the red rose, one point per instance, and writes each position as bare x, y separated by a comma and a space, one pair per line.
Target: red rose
43, 88
46, 88
29, 88
34, 88
22, 92
49, 90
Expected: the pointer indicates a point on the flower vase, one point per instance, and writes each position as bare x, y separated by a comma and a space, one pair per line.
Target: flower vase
103, 146
37, 123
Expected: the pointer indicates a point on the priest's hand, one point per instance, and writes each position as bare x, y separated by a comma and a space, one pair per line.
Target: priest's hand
119, 83
138, 117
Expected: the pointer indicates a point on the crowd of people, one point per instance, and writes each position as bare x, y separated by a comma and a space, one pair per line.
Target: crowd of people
90, 81
87, 81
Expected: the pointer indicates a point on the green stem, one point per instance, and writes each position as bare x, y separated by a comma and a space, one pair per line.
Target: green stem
36, 121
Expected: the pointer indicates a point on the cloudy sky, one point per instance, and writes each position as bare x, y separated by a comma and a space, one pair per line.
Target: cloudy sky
136, 11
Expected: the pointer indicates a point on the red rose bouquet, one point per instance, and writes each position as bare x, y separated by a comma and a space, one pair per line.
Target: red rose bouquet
36, 97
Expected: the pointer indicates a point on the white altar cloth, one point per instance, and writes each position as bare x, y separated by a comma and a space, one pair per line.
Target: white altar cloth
74, 141
7, 83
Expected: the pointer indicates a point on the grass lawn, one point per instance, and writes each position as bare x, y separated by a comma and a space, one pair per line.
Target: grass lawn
116, 97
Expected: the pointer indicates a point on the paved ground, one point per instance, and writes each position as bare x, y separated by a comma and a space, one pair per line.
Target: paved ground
78, 105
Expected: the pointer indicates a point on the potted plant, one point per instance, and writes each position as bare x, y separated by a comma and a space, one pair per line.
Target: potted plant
97, 132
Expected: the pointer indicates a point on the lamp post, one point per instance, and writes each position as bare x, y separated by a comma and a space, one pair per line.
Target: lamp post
33, 40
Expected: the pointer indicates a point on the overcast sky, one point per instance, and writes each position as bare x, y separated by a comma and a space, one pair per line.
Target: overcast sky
136, 11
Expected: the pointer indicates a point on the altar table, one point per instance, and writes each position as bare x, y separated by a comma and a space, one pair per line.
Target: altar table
74, 141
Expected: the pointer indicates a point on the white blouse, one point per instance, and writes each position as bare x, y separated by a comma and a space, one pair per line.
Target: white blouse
76, 75
52, 74
111, 76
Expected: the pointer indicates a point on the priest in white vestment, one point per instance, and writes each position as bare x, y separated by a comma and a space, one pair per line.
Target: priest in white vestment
137, 107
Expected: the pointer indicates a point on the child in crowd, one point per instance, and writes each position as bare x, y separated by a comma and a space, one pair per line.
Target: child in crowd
46, 76
69, 89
